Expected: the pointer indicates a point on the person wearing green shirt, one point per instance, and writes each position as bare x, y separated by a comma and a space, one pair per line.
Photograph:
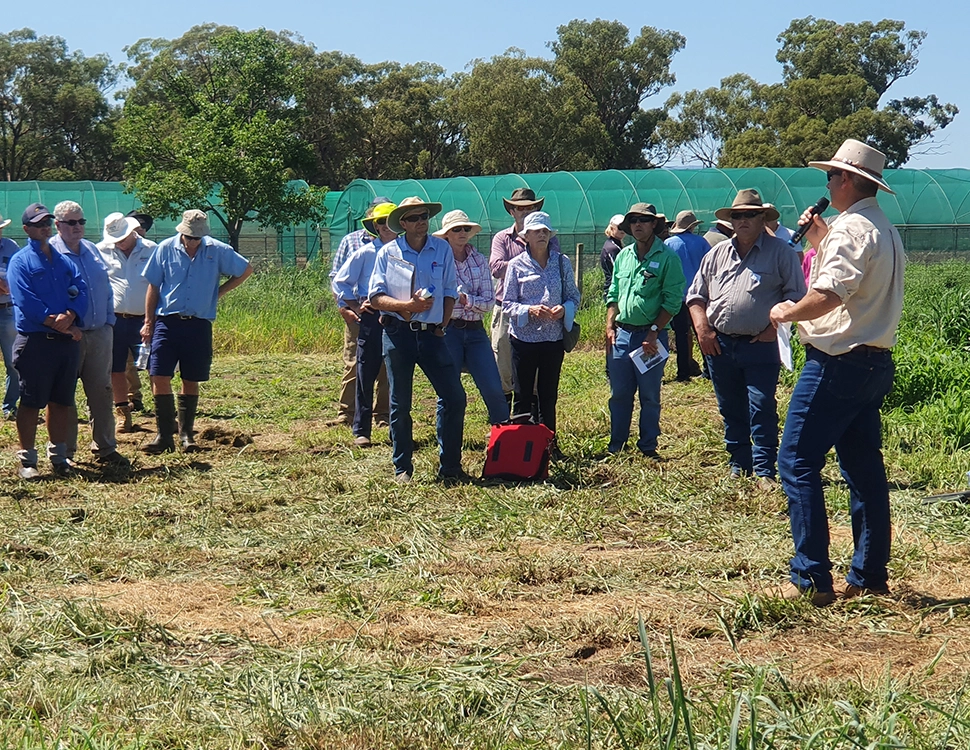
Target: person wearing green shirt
646, 291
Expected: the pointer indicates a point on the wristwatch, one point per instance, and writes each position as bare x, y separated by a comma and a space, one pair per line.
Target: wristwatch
654, 328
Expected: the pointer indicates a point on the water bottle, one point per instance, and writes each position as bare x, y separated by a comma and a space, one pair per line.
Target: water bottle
141, 361
426, 293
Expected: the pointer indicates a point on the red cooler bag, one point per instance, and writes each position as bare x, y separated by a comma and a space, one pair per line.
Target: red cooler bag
518, 451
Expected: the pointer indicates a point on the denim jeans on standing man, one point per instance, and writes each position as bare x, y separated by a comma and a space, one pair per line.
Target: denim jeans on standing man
403, 349
625, 382
745, 376
471, 348
8, 332
836, 403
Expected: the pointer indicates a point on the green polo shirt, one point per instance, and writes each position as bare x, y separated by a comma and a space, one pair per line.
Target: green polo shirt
641, 288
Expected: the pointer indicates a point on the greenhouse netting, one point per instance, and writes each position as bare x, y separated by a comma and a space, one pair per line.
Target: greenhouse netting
931, 207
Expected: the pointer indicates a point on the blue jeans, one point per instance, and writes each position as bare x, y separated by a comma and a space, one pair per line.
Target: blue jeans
8, 332
403, 349
625, 382
745, 376
471, 348
836, 403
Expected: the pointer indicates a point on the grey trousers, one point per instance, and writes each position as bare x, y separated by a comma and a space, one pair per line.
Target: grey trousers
501, 347
94, 372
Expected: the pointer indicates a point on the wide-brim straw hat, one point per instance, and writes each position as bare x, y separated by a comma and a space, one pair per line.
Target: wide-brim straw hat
409, 206
523, 197
457, 218
195, 223
538, 220
638, 209
685, 222
722, 224
748, 200
856, 157
117, 226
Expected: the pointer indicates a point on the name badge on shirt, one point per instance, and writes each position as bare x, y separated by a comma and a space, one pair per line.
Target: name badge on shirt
654, 264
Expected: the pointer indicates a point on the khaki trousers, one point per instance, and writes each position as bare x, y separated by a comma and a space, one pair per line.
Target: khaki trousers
501, 347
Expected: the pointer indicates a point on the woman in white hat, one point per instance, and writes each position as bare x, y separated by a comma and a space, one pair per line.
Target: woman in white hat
540, 299
611, 248
465, 335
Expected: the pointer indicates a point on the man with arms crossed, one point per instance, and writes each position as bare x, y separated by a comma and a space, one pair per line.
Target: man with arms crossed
183, 291
847, 321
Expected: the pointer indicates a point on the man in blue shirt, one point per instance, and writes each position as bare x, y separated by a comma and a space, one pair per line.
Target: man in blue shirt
50, 300
690, 248
183, 276
94, 368
416, 315
8, 329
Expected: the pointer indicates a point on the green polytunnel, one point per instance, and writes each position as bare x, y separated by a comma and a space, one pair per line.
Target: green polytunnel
931, 207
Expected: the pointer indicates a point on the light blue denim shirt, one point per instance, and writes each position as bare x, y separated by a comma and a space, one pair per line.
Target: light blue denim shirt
352, 280
7, 248
434, 265
41, 287
190, 286
527, 283
101, 299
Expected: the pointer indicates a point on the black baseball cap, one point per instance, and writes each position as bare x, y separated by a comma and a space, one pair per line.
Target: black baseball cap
35, 212
145, 220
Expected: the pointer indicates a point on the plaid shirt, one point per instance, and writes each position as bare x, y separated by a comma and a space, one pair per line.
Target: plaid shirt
474, 279
350, 243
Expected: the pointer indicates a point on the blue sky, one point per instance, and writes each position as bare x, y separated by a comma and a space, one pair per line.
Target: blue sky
722, 38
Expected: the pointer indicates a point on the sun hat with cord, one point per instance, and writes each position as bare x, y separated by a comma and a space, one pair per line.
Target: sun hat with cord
195, 223
638, 209
750, 200
856, 157
454, 219
539, 220
684, 222
409, 206
523, 197
380, 211
117, 226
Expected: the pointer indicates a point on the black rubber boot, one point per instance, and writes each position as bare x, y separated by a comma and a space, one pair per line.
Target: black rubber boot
187, 408
165, 422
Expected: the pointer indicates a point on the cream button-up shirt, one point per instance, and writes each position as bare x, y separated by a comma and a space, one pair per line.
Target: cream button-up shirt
128, 286
861, 260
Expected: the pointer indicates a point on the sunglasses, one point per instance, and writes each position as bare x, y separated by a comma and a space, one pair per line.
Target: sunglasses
41, 223
380, 222
531, 208
641, 220
415, 217
191, 239
72, 222
832, 173
735, 215
461, 229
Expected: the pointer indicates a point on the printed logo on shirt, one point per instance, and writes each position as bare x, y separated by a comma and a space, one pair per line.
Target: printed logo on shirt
654, 264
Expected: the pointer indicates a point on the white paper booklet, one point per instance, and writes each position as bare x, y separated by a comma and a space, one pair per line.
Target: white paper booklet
643, 362
784, 345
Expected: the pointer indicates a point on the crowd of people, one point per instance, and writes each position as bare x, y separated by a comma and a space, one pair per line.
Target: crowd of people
71, 310
410, 297
85, 312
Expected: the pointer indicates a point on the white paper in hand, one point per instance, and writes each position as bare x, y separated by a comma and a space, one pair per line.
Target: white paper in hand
784, 345
643, 363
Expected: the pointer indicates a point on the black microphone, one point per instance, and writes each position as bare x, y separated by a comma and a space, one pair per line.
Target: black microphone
815, 210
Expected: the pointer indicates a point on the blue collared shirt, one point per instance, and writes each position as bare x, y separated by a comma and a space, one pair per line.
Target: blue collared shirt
190, 286
353, 279
690, 248
101, 301
41, 287
434, 265
7, 248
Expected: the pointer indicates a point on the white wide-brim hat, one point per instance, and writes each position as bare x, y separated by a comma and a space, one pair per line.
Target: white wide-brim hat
4, 223
454, 219
856, 157
117, 226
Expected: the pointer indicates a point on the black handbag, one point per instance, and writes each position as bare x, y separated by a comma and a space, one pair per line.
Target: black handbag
571, 337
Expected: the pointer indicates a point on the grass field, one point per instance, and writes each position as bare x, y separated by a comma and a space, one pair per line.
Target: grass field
279, 590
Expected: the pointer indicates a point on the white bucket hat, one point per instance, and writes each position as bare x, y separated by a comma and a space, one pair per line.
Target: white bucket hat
454, 219
856, 157
617, 220
538, 220
117, 226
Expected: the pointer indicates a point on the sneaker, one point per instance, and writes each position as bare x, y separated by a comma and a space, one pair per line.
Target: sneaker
62, 469
362, 441
402, 478
28, 472
10, 415
846, 590
114, 459
791, 592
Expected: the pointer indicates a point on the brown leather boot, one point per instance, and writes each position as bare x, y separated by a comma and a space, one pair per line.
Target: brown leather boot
123, 414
